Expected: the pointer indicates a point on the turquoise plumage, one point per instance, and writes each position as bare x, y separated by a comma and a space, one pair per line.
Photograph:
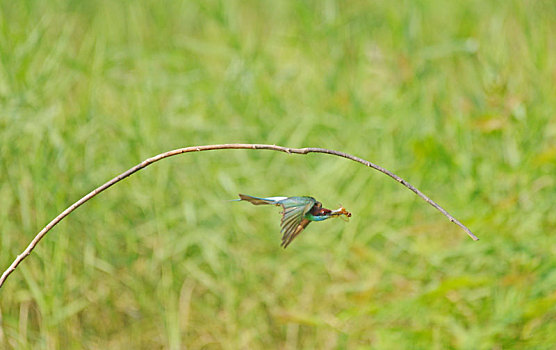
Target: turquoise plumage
297, 214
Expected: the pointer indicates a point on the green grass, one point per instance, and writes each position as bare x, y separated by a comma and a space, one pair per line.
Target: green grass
458, 98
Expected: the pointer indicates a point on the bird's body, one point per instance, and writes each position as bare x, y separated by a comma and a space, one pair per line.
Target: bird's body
298, 213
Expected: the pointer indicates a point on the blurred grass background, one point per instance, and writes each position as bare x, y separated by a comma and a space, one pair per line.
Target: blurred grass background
458, 98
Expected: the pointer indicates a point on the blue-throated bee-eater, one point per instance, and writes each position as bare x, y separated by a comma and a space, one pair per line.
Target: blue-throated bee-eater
298, 213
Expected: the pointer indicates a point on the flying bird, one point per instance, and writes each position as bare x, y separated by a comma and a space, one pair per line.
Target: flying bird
297, 214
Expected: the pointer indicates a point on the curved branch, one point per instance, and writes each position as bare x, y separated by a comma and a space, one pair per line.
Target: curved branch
161, 156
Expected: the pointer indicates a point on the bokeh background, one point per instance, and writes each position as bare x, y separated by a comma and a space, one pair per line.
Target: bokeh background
458, 98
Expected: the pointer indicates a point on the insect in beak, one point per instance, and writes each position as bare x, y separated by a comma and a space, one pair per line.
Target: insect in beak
342, 213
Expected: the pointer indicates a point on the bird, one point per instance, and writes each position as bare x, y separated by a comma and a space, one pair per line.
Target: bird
297, 214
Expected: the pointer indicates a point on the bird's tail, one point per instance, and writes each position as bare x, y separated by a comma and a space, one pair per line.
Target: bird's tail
259, 201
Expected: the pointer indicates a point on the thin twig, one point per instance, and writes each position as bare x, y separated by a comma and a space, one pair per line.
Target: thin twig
149, 161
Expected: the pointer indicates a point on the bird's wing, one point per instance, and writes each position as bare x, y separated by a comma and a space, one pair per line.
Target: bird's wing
292, 217
286, 240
